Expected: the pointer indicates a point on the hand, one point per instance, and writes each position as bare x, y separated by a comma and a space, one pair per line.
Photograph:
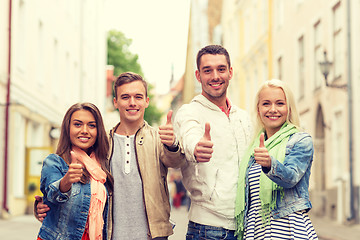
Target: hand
73, 175
166, 131
204, 148
40, 208
261, 153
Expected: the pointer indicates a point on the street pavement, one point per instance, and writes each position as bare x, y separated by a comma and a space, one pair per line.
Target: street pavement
26, 227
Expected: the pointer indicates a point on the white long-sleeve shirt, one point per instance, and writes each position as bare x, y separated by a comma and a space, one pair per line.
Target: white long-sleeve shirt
212, 185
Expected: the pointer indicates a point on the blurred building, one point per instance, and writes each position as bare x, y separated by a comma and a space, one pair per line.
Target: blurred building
204, 29
54, 55
286, 40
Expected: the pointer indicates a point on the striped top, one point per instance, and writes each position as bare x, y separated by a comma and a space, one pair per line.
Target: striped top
294, 226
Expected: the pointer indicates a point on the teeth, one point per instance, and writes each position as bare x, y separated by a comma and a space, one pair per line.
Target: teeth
216, 84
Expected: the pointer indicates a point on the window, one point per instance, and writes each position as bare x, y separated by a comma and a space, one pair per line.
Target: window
279, 13
40, 55
318, 56
337, 37
20, 48
279, 67
55, 70
301, 67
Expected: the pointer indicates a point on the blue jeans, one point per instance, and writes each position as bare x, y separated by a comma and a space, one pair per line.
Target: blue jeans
204, 232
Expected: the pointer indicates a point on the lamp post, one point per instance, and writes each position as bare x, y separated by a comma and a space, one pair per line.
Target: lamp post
325, 69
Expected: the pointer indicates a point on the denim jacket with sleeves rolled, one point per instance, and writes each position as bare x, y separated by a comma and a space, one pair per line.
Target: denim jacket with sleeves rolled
293, 175
68, 211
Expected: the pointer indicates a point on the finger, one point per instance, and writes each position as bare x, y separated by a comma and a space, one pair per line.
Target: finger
75, 167
169, 115
205, 146
207, 132
203, 159
42, 210
262, 144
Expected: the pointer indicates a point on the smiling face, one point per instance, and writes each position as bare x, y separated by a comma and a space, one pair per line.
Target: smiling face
214, 75
131, 102
83, 129
272, 109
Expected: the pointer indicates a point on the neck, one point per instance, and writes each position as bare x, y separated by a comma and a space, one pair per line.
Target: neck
220, 101
127, 129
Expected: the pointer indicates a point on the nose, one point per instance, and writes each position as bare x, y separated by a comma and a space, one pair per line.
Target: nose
84, 129
216, 74
273, 108
132, 101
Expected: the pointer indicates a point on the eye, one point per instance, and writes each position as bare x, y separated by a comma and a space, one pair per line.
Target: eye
139, 97
77, 124
207, 71
92, 125
125, 97
223, 69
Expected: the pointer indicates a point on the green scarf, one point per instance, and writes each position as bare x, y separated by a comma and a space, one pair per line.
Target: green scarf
276, 145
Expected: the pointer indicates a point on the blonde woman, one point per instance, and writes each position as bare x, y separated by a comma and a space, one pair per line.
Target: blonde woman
273, 197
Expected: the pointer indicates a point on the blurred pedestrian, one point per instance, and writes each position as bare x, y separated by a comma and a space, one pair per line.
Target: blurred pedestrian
273, 189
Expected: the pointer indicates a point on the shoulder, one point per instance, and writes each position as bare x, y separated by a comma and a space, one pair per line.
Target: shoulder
54, 159
300, 136
52, 162
240, 112
300, 139
147, 130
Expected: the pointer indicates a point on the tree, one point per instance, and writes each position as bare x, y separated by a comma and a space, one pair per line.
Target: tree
119, 54
123, 60
152, 113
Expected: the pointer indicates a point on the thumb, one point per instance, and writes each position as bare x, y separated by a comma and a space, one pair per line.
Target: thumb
207, 132
262, 144
38, 198
169, 115
74, 158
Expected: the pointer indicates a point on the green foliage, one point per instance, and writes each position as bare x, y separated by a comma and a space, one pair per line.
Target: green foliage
123, 60
119, 54
152, 113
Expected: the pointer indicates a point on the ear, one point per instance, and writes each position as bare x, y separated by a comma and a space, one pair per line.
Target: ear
231, 73
114, 102
197, 74
147, 102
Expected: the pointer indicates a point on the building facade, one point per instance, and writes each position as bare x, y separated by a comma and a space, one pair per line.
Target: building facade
57, 57
287, 40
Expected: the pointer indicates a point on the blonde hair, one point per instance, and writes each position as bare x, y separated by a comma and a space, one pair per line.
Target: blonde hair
292, 117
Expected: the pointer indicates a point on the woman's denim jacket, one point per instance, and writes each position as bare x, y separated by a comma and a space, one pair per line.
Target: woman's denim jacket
293, 175
68, 211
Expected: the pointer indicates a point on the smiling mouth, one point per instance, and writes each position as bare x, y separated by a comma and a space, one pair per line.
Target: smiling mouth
84, 139
132, 110
273, 117
215, 84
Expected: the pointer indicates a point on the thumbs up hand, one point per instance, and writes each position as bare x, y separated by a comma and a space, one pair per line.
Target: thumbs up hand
261, 154
166, 131
204, 148
73, 175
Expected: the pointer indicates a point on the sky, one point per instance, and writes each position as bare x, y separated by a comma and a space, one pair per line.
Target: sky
159, 31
